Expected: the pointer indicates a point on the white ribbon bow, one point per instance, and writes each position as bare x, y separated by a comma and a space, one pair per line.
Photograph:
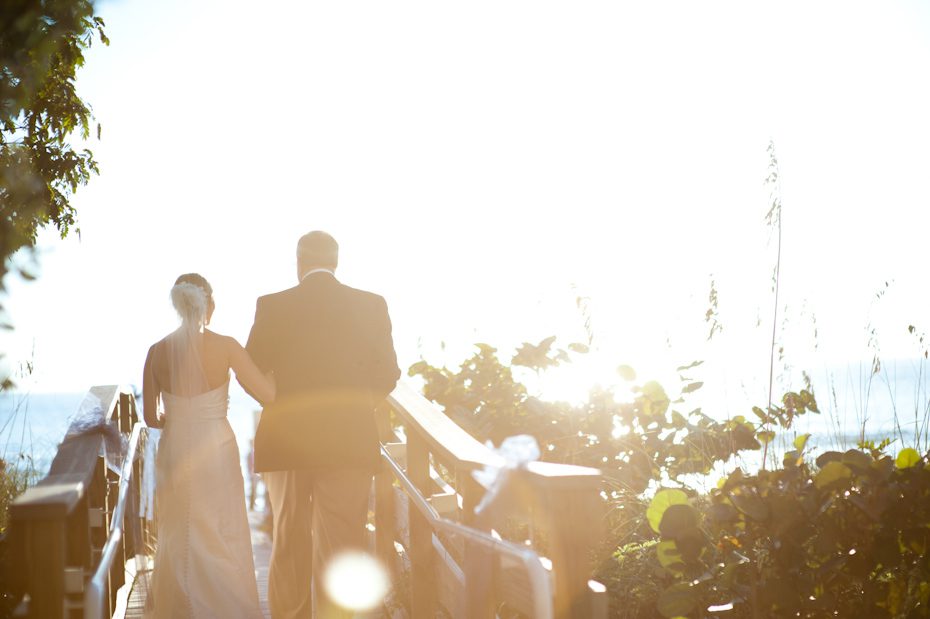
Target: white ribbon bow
516, 451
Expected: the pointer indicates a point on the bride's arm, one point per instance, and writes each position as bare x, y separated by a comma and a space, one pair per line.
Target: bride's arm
150, 391
260, 386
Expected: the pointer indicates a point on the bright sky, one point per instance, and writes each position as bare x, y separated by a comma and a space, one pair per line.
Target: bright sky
483, 163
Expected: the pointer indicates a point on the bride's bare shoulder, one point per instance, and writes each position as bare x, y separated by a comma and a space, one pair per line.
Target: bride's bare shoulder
156, 357
218, 339
157, 346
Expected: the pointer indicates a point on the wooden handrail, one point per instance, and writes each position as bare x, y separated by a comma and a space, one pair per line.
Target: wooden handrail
58, 528
444, 437
95, 595
453, 445
563, 500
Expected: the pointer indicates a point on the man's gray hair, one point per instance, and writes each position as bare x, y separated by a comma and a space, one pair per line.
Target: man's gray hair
318, 248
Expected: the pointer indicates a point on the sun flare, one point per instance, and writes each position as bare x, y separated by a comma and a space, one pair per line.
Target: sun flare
356, 581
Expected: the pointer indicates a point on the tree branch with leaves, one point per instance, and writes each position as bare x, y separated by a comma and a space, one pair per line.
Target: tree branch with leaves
42, 46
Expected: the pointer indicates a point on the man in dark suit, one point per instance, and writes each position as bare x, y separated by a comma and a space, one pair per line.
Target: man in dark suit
329, 347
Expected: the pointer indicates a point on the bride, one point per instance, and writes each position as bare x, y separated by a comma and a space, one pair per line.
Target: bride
203, 563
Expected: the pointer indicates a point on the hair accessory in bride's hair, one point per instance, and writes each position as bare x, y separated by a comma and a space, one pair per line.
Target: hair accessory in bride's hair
190, 301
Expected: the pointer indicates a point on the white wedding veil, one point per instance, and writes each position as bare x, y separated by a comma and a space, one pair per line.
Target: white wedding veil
185, 346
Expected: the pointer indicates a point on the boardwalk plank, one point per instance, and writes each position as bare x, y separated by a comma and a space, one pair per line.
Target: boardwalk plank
261, 550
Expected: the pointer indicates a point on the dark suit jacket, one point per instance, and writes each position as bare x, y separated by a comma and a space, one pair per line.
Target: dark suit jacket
331, 352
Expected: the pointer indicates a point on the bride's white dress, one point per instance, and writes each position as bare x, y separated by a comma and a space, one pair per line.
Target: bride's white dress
203, 563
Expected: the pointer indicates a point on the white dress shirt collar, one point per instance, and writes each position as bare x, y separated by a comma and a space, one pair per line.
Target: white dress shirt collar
312, 271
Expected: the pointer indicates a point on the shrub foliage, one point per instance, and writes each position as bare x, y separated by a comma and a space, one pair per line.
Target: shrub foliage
838, 535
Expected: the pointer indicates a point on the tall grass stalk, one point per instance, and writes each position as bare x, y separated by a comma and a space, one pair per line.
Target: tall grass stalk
773, 220
18, 471
15, 477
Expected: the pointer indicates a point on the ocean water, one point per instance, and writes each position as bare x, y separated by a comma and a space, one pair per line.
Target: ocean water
32, 425
854, 403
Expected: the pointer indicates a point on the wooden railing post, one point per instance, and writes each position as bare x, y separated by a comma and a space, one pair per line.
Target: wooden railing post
384, 520
480, 564
133, 541
423, 585
40, 522
117, 576
572, 515
126, 413
97, 509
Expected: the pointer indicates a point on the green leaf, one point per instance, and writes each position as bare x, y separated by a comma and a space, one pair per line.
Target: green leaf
907, 458
693, 364
723, 513
654, 391
809, 401
677, 600
828, 456
546, 343
732, 481
857, 460
691, 545
792, 458
692, 387
678, 520
654, 401
661, 502
678, 420
626, 373
765, 436
579, 348
833, 473
801, 441
670, 558
751, 505
418, 367
760, 414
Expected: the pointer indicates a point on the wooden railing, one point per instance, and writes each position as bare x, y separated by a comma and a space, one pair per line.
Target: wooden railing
458, 561
77, 537
70, 548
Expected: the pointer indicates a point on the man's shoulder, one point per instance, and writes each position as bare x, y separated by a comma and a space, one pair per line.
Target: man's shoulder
297, 295
364, 296
273, 298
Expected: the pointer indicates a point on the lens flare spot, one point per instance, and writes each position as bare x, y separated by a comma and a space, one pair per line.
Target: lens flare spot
356, 581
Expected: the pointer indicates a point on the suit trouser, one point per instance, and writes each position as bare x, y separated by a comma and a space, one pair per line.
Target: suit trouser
316, 514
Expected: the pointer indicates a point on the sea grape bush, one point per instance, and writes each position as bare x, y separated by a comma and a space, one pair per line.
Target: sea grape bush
659, 441
822, 535
846, 535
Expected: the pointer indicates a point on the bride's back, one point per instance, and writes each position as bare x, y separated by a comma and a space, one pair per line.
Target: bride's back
213, 353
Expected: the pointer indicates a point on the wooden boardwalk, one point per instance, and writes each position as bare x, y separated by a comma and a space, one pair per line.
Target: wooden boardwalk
261, 550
